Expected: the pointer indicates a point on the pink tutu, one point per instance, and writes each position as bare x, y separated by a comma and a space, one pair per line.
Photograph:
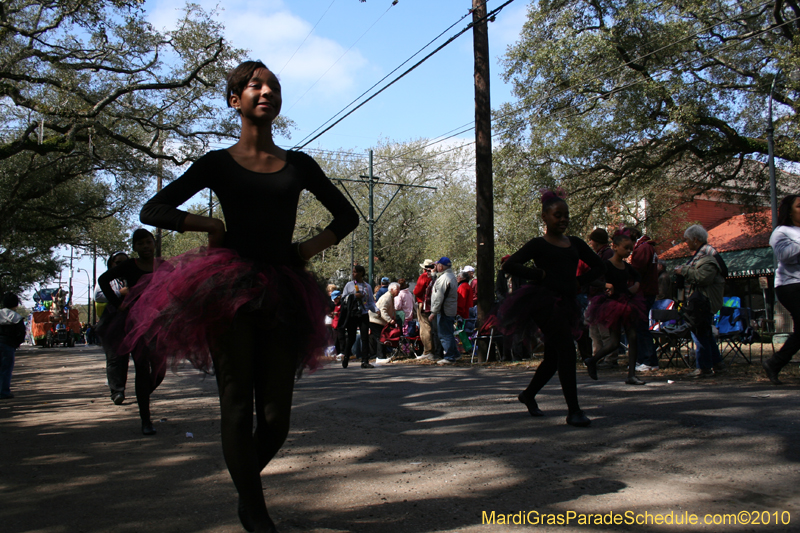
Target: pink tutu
534, 307
177, 311
618, 311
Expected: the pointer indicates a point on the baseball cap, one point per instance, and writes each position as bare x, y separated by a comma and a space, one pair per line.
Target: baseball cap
444, 261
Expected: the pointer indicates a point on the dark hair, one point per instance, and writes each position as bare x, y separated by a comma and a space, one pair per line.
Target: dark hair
785, 210
634, 233
621, 235
599, 235
360, 268
238, 78
113, 256
10, 300
140, 234
549, 199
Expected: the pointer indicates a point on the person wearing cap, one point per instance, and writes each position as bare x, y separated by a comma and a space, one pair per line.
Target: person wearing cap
464, 295
425, 334
473, 284
383, 289
444, 306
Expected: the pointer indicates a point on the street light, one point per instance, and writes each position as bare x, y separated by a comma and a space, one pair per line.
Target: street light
89, 295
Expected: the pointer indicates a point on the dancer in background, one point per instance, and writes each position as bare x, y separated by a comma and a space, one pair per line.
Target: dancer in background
149, 371
620, 307
549, 303
785, 241
246, 302
116, 366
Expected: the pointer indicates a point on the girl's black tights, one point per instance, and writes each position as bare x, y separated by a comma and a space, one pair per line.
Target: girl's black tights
613, 345
252, 362
559, 356
147, 379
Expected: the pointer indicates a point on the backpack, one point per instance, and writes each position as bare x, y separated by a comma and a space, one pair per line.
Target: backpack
349, 312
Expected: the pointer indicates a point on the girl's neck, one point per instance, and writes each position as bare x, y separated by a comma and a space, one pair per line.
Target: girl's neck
256, 138
618, 261
556, 237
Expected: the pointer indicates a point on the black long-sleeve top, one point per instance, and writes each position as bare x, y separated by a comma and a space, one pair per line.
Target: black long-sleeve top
555, 266
621, 278
260, 208
128, 271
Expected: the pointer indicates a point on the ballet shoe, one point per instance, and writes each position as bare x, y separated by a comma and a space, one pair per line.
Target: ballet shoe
633, 380
578, 419
771, 373
591, 368
244, 517
531, 404
345, 361
147, 428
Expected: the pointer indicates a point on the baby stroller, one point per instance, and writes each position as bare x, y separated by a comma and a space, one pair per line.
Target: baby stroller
402, 343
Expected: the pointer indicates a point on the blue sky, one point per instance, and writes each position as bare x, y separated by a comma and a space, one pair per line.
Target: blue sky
338, 61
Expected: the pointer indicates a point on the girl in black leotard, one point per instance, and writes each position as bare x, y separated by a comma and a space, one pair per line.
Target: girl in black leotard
149, 373
620, 308
246, 302
549, 303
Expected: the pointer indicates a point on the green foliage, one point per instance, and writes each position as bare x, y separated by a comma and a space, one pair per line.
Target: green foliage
92, 99
625, 101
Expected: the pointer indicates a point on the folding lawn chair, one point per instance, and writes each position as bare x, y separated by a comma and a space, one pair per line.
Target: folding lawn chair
488, 331
734, 332
670, 332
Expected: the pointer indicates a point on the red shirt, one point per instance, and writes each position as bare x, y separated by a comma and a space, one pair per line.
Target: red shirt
464, 299
422, 284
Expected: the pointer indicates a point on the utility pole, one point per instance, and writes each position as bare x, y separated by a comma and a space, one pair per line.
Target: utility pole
159, 180
484, 210
371, 221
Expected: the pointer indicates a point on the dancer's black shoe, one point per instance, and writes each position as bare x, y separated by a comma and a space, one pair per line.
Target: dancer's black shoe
147, 428
591, 368
244, 517
531, 404
772, 374
578, 419
345, 361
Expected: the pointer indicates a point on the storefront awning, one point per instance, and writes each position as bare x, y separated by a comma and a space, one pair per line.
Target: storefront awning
741, 263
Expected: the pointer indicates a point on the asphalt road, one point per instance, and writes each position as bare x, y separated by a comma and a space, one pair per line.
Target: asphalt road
402, 447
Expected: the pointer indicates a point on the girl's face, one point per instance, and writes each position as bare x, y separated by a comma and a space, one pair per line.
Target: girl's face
556, 218
623, 249
261, 99
794, 214
118, 260
145, 247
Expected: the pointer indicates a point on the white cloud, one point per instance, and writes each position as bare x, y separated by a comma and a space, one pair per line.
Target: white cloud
272, 33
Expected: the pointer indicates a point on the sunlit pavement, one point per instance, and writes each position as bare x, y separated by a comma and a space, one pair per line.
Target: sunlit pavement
399, 448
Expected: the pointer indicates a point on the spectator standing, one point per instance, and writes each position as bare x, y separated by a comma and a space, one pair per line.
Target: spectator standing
420, 290
705, 286
403, 303
664, 282
362, 302
12, 333
506, 285
645, 261
465, 295
386, 316
116, 365
384, 288
785, 241
444, 306
473, 284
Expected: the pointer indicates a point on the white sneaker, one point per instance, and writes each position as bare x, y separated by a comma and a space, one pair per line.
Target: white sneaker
645, 368
340, 357
426, 357
444, 362
383, 361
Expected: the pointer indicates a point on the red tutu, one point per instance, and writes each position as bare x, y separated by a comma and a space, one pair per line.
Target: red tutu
177, 311
534, 307
617, 311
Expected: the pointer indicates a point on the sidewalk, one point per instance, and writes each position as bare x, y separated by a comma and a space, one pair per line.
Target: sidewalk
400, 447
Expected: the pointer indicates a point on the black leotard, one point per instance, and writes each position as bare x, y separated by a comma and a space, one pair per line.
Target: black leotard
619, 277
128, 271
260, 208
559, 263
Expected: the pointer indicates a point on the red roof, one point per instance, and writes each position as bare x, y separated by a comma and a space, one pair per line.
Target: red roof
742, 232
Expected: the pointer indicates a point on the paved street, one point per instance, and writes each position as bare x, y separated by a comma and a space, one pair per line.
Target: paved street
403, 447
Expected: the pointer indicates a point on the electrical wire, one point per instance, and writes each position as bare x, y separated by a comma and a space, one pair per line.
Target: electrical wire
401, 76
340, 57
307, 36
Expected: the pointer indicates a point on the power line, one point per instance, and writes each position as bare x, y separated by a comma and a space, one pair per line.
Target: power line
389, 74
340, 57
401, 76
307, 36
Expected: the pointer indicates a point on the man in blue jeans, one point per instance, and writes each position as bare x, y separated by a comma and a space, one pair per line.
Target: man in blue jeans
444, 306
